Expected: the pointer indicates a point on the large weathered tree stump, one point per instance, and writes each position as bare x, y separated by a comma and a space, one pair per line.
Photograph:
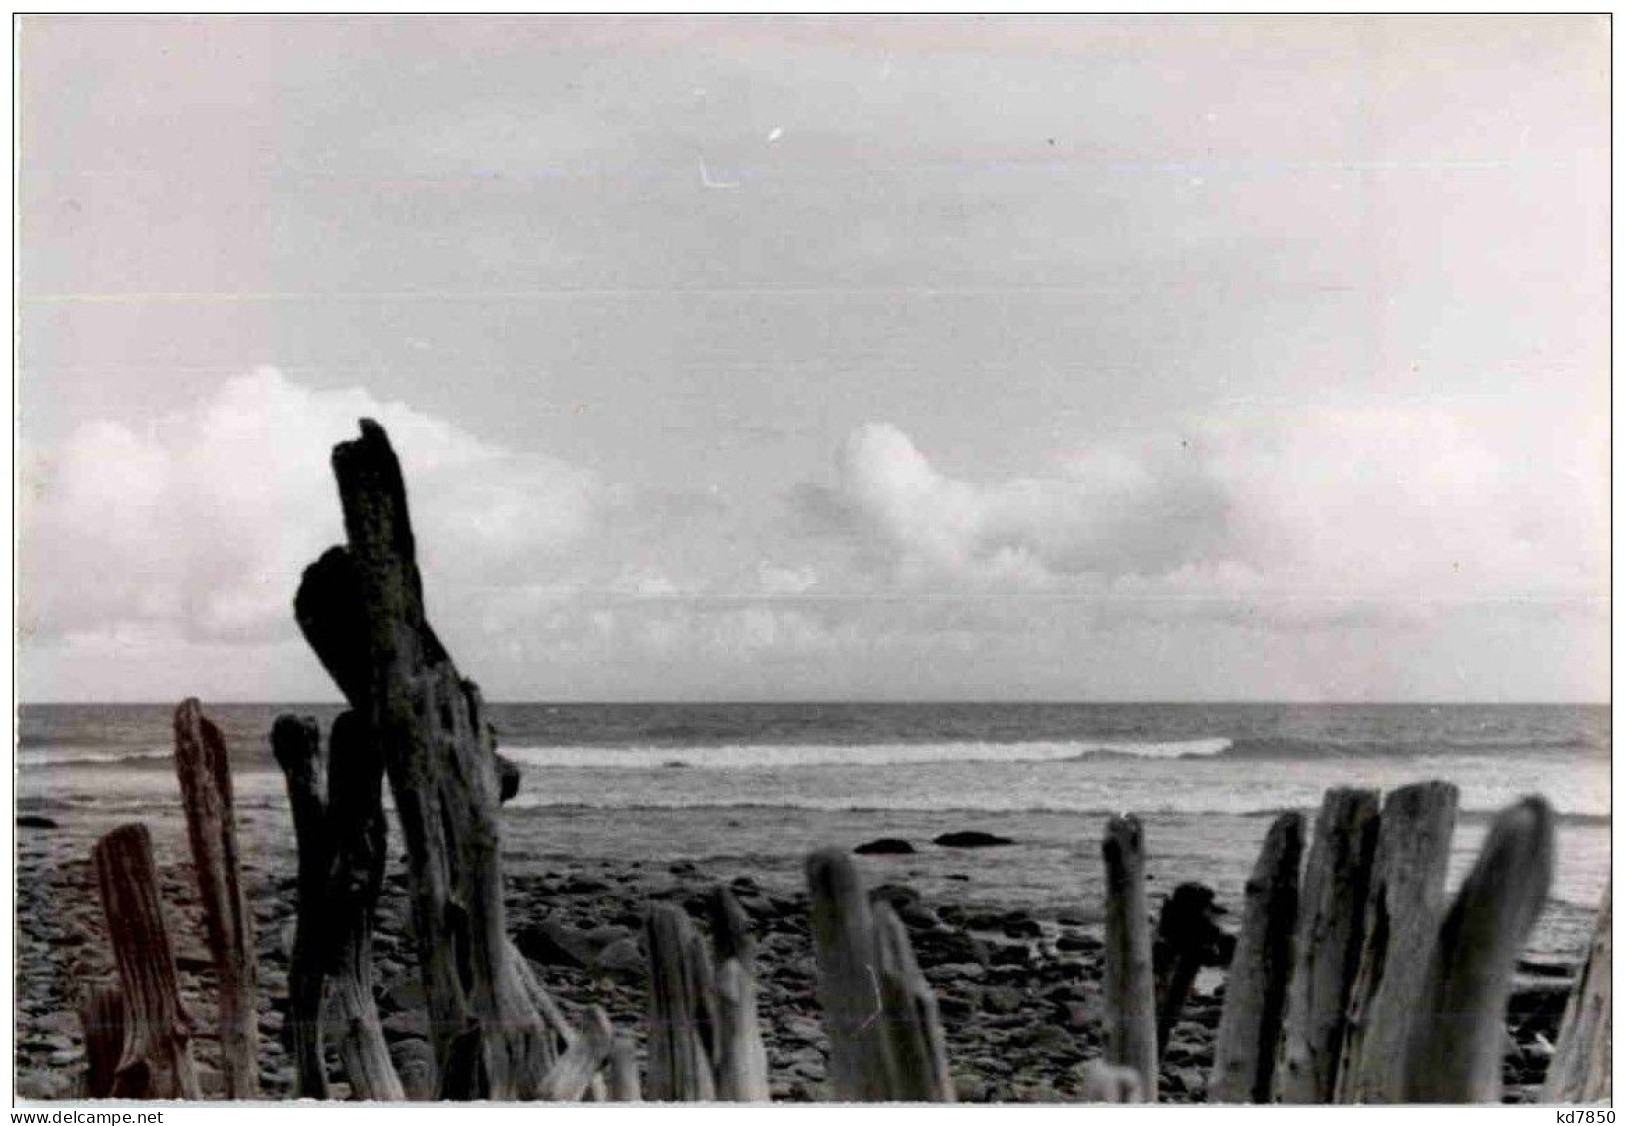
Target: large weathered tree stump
1129, 999
1402, 911
680, 1028
1457, 1032
1260, 970
741, 1057
211, 827
361, 609
1581, 1069
1330, 912
156, 1060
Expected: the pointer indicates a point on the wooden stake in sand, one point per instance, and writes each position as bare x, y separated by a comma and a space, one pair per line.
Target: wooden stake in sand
297, 744
361, 609
1456, 1034
741, 1057
1255, 991
1401, 918
211, 825
679, 1009
1327, 946
156, 1060
1129, 1001
1581, 1069
885, 1042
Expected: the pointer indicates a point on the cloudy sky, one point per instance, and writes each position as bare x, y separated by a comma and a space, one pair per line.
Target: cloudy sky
734, 358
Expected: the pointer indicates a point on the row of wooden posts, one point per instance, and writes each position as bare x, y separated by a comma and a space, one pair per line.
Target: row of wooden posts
1348, 983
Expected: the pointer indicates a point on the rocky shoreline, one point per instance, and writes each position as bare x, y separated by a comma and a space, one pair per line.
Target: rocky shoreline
1018, 990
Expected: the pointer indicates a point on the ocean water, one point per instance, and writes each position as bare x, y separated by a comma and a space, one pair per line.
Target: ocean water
761, 783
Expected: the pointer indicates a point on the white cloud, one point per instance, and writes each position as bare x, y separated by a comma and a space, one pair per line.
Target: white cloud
203, 523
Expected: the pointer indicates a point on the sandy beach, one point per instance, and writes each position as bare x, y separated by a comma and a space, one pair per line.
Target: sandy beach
1017, 974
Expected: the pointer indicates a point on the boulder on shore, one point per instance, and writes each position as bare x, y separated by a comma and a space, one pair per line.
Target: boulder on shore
971, 838
885, 846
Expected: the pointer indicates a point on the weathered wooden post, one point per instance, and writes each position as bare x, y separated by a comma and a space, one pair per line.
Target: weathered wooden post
679, 976
1129, 1000
361, 609
568, 1079
1580, 1071
1260, 970
1187, 938
1330, 911
1454, 1045
623, 1071
297, 745
156, 1060
211, 827
102, 1017
1401, 918
885, 1042
741, 1057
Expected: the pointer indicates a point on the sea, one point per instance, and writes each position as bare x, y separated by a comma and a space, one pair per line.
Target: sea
752, 786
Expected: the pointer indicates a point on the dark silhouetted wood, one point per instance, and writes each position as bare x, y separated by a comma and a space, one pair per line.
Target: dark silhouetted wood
296, 742
211, 827
102, 1017
1402, 912
1260, 970
156, 1060
1581, 1070
1187, 938
1457, 1032
741, 1057
361, 609
679, 977
1129, 1000
1327, 946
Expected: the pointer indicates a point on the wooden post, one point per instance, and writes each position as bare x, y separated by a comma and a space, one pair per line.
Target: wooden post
1580, 1071
102, 1017
848, 983
1401, 918
211, 825
916, 1050
1327, 946
679, 1066
1457, 1032
361, 609
567, 1080
623, 1071
296, 743
1130, 1004
156, 1061
1260, 969
741, 1057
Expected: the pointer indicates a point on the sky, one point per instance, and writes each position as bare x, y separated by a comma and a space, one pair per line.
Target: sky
1071, 358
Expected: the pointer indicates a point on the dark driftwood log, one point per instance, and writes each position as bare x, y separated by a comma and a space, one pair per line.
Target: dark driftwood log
211, 826
156, 1060
1187, 938
1129, 998
361, 609
1402, 912
297, 744
741, 1057
1256, 988
1581, 1069
102, 1017
1457, 1032
1330, 914
679, 978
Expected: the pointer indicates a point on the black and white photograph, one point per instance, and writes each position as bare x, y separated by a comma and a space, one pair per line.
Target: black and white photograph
1049, 559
